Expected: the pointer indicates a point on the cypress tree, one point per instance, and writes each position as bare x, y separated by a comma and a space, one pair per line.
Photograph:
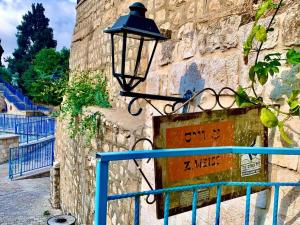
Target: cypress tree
33, 34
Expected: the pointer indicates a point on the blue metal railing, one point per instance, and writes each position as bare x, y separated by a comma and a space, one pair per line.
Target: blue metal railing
28, 128
31, 157
103, 159
36, 129
8, 122
15, 96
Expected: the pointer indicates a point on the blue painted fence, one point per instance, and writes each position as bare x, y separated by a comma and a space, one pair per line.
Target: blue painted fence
8, 122
28, 128
15, 96
31, 157
35, 130
103, 159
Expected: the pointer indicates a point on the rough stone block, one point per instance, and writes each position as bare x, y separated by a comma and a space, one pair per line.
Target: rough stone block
186, 46
160, 16
177, 71
165, 52
153, 83
159, 3
176, 2
220, 35
291, 26
290, 162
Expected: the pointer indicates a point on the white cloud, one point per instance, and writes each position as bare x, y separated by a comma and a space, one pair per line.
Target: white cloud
60, 12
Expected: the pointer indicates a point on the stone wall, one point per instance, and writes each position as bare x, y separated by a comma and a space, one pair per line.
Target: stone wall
205, 50
77, 160
7, 141
55, 186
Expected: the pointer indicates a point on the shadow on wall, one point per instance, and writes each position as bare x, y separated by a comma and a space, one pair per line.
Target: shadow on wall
288, 199
191, 80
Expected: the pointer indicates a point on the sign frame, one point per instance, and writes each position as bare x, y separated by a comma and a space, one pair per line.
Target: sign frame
159, 120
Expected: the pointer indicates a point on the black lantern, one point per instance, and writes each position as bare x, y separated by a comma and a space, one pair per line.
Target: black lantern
128, 37
129, 32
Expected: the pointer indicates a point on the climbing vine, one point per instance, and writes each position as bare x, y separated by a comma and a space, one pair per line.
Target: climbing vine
262, 70
81, 92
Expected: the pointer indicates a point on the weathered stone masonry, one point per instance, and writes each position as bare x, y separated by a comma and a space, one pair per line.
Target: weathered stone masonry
6, 142
205, 48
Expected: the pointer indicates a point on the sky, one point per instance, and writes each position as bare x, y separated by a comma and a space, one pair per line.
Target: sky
60, 12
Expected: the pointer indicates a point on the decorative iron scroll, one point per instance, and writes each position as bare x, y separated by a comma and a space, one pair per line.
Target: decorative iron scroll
174, 109
140, 169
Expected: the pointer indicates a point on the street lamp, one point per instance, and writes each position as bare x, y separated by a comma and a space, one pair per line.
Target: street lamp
129, 67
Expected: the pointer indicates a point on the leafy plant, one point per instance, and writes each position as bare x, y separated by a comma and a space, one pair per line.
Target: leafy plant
262, 70
51, 76
84, 91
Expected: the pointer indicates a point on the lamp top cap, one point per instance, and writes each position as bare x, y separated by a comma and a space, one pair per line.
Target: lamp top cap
138, 9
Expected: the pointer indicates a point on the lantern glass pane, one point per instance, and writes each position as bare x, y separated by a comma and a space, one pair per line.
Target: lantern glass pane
138, 56
118, 46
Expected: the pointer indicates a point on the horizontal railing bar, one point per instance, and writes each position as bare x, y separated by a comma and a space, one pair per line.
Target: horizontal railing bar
199, 186
146, 154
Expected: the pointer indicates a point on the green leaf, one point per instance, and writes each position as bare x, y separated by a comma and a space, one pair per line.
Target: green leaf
249, 42
275, 70
283, 134
293, 57
294, 105
265, 5
275, 62
268, 118
263, 76
242, 99
294, 102
252, 73
270, 57
261, 34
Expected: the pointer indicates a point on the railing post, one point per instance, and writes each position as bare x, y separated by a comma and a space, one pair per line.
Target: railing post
4, 122
52, 151
101, 192
10, 165
194, 207
21, 159
275, 206
247, 209
27, 132
218, 204
16, 128
137, 210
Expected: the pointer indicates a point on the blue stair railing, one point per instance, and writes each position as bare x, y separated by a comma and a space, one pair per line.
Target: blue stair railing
15, 96
38, 129
30, 157
8, 122
102, 171
28, 128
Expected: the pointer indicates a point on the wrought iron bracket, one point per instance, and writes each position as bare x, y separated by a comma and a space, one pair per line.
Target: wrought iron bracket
154, 97
140, 169
148, 97
188, 97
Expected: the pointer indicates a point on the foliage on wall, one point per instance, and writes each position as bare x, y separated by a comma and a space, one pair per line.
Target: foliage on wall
263, 70
84, 91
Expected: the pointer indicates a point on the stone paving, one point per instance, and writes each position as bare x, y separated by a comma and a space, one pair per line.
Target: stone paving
24, 202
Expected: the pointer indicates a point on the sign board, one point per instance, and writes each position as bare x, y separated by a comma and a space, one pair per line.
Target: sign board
233, 127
